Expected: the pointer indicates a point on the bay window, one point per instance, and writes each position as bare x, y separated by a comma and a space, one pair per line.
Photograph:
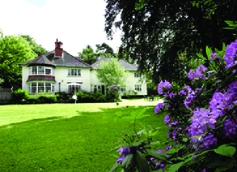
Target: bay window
39, 87
41, 70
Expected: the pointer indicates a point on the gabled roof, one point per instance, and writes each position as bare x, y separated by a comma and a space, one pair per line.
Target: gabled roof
126, 65
66, 60
40, 60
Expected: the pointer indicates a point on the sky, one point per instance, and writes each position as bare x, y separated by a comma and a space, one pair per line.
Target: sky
76, 23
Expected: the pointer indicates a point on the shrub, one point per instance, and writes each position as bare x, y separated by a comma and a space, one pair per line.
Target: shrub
47, 99
202, 120
19, 96
63, 97
99, 97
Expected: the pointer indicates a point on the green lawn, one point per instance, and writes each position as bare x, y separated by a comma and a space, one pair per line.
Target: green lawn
68, 137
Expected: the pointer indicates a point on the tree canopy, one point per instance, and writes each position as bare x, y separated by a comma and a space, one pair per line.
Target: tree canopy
37, 48
90, 56
14, 50
160, 34
111, 73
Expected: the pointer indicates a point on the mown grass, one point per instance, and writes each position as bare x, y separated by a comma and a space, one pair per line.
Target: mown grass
67, 137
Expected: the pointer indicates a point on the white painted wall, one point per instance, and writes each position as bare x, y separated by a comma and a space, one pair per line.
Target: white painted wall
25, 74
131, 81
88, 79
61, 76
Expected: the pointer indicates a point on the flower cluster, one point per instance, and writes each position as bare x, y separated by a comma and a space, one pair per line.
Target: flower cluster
198, 73
159, 106
163, 85
191, 96
230, 54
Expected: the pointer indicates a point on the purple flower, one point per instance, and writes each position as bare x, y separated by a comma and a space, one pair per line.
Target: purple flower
189, 99
124, 152
191, 74
163, 85
230, 127
230, 54
167, 119
198, 73
158, 107
182, 93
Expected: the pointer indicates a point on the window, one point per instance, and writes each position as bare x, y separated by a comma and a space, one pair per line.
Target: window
74, 72
38, 87
74, 88
33, 87
97, 88
122, 88
138, 87
34, 70
48, 71
41, 70
137, 75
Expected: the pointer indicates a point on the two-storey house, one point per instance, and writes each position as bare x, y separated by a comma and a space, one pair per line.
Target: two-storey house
59, 71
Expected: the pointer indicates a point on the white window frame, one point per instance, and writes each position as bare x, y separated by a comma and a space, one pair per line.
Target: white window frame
73, 88
38, 87
123, 88
137, 75
138, 87
74, 72
35, 70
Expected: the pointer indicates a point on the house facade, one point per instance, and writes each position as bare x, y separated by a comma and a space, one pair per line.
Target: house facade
59, 71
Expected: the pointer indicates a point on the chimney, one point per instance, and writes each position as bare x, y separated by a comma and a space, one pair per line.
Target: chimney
58, 49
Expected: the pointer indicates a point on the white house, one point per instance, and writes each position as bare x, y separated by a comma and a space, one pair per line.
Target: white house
59, 71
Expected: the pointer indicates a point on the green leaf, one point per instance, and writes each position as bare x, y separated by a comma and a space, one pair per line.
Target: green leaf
225, 150
172, 151
174, 167
142, 162
208, 52
157, 155
201, 56
184, 139
127, 161
114, 167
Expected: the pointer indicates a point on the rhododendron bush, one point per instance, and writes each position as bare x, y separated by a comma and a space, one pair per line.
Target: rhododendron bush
202, 120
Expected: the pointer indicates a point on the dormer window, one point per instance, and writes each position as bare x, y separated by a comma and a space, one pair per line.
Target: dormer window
41, 70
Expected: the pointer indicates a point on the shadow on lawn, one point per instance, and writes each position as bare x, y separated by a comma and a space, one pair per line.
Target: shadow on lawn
33, 121
123, 112
77, 143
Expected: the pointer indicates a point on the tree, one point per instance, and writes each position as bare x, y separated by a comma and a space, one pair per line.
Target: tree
155, 33
13, 51
111, 73
88, 55
104, 50
38, 49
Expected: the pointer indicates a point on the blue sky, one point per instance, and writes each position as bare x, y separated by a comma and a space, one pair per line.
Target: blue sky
77, 23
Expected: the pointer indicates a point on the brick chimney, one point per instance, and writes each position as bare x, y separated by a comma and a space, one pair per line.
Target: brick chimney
58, 49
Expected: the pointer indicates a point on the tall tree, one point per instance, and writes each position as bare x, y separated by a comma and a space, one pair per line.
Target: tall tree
37, 48
88, 55
13, 51
104, 50
111, 73
156, 32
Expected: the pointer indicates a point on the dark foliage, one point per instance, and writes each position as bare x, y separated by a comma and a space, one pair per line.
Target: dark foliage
162, 32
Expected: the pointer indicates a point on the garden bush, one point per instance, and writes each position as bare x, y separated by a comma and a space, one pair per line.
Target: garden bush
202, 120
19, 96
47, 99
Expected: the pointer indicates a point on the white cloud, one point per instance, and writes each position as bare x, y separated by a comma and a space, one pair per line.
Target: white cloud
76, 23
